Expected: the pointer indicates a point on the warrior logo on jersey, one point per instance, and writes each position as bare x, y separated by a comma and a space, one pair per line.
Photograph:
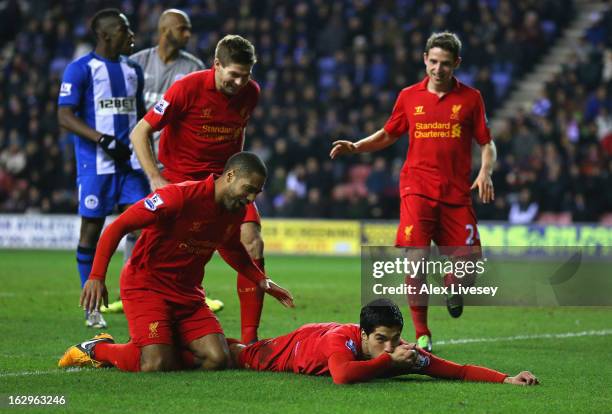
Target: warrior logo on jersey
196, 226
207, 113
418, 110
160, 107
351, 346
455, 114
153, 202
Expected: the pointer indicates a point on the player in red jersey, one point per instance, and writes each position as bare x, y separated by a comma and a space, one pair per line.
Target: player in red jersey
204, 116
161, 286
355, 353
441, 116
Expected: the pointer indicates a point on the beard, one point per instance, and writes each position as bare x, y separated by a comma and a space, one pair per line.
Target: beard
175, 42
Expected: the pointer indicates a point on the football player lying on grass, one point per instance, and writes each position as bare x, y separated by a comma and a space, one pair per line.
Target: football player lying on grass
356, 353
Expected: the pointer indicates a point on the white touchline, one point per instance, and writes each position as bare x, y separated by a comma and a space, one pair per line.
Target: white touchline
46, 372
601, 332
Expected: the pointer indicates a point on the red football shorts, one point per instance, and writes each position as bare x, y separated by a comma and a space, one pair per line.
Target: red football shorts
153, 320
268, 354
423, 220
252, 214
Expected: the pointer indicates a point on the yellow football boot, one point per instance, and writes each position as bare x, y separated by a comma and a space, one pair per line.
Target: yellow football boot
114, 307
214, 305
79, 355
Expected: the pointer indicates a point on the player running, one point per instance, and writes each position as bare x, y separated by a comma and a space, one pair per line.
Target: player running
204, 117
100, 100
161, 286
441, 116
356, 353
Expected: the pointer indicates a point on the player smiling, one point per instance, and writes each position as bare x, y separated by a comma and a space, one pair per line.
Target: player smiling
203, 119
161, 286
441, 116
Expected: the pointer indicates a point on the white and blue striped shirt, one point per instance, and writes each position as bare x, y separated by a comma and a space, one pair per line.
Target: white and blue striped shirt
108, 96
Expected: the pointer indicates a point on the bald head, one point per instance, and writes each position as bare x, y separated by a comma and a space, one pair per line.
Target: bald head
174, 28
172, 17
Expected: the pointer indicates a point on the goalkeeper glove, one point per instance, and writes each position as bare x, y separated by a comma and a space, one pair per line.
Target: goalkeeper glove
114, 148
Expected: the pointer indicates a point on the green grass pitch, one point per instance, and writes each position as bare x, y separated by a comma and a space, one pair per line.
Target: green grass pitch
39, 319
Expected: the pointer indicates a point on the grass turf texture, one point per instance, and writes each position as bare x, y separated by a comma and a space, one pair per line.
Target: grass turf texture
40, 319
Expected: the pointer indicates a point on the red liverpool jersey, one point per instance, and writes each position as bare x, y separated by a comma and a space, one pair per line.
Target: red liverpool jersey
316, 342
439, 159
182, 227
202, 127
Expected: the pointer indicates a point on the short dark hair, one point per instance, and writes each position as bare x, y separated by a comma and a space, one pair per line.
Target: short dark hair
246, 163
446, 41
101, 15
235, 49
380, 312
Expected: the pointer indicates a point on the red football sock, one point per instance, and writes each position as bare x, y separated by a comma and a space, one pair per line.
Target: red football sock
125, 357
450, 279
466, 280
418, 307
442, 368
251, 304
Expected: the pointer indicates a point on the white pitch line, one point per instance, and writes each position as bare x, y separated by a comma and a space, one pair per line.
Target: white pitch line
565, 335
38, 372
602, 332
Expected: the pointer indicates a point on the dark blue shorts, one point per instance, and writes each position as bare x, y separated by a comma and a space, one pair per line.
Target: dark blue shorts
99, 194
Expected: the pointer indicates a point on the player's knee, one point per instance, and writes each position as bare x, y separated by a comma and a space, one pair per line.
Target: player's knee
215, 360
155, 363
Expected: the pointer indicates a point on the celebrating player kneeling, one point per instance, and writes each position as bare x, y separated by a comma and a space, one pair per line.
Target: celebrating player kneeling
161, 286
355, 353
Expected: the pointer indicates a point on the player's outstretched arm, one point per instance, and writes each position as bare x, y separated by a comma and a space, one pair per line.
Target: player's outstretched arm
279, 293
441, 368
377, 141
141, 140
235, 255
134, 218
94, 293
522, 378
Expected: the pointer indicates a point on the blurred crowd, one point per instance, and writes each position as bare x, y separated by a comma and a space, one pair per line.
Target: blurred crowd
331, 70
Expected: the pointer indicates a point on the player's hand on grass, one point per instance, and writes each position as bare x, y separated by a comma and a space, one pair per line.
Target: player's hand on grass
341, 148
485, 187
282, 295
158, 182
522, 378
92, 295
404, 356
114, 148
